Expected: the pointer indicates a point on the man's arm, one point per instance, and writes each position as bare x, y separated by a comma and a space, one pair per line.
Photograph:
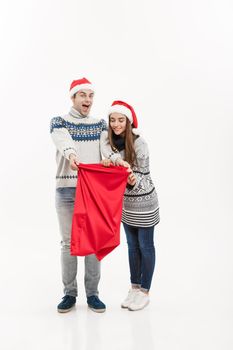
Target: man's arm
63, 141
73, 161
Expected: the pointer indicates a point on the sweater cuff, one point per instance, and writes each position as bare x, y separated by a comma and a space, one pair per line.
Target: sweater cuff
129, 187
113, 157
68, 151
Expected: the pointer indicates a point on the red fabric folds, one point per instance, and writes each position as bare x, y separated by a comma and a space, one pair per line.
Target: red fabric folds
97, 209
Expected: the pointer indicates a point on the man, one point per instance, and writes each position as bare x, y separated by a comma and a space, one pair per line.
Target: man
77, 139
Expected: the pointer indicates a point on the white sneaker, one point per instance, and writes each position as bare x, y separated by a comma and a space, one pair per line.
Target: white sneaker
130, 297
139, 302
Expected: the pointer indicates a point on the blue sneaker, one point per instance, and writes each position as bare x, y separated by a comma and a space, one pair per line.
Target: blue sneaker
95, 304
67, 303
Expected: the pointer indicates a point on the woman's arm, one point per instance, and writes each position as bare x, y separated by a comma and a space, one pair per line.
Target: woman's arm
142, 161
106, 149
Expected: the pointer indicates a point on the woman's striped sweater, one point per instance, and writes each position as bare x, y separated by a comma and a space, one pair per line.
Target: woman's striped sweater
141, 206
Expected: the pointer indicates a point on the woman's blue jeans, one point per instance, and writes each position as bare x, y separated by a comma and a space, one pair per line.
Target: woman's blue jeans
141, 252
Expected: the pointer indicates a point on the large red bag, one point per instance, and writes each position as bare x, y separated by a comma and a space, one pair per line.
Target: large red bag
97, 209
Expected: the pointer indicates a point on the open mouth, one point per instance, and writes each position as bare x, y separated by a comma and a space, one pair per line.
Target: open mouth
85, 106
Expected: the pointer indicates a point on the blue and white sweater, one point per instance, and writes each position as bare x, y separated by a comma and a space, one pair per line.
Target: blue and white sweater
74, 133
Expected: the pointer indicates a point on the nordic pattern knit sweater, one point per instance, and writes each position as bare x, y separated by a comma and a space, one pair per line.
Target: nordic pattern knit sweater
141, 206
77, 134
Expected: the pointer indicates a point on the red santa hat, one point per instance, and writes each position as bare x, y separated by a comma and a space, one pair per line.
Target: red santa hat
80, 84
128, 111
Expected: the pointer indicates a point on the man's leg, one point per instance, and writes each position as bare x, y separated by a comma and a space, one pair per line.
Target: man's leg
92, 277
65, 205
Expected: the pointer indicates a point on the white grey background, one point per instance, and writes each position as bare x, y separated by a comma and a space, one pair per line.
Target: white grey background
172, 60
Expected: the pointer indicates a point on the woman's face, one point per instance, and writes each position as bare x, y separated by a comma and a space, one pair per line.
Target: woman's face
117, 123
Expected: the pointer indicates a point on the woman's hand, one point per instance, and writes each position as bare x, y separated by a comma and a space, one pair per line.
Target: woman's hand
131, 179
121, 162
106, 162
73, 161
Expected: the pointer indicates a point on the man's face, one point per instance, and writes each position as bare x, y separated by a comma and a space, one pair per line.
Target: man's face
82, 101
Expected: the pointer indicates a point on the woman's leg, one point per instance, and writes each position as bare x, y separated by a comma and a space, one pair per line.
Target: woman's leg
147, 249
134, 254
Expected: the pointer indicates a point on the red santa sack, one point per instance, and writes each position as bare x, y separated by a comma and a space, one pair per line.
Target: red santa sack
97, 209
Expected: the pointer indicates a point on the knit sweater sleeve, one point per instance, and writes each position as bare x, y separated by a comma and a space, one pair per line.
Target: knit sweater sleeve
104, 125
61, 137
141, 149
142, 165
106, 149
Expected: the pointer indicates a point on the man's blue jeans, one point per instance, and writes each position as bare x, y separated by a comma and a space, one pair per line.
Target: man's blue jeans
141, 252
65, 197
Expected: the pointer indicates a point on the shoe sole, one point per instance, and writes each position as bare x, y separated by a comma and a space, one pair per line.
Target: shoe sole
63, 311
141, 308
124, 307
97, 310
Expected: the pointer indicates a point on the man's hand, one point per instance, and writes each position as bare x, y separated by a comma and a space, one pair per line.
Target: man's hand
131, 179
73, 161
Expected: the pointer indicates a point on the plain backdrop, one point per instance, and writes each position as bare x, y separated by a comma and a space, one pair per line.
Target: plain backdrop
172, 60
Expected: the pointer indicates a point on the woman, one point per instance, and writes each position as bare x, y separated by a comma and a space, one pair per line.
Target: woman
140, 208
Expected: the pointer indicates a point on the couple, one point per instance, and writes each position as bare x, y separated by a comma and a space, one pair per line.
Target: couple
80, 138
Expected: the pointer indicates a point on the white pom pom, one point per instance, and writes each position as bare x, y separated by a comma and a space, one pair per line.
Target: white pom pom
136, 131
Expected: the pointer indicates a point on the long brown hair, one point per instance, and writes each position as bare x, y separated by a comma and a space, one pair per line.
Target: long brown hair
130, 154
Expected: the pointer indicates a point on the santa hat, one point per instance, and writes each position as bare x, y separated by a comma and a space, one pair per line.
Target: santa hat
80, 84
128, 111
